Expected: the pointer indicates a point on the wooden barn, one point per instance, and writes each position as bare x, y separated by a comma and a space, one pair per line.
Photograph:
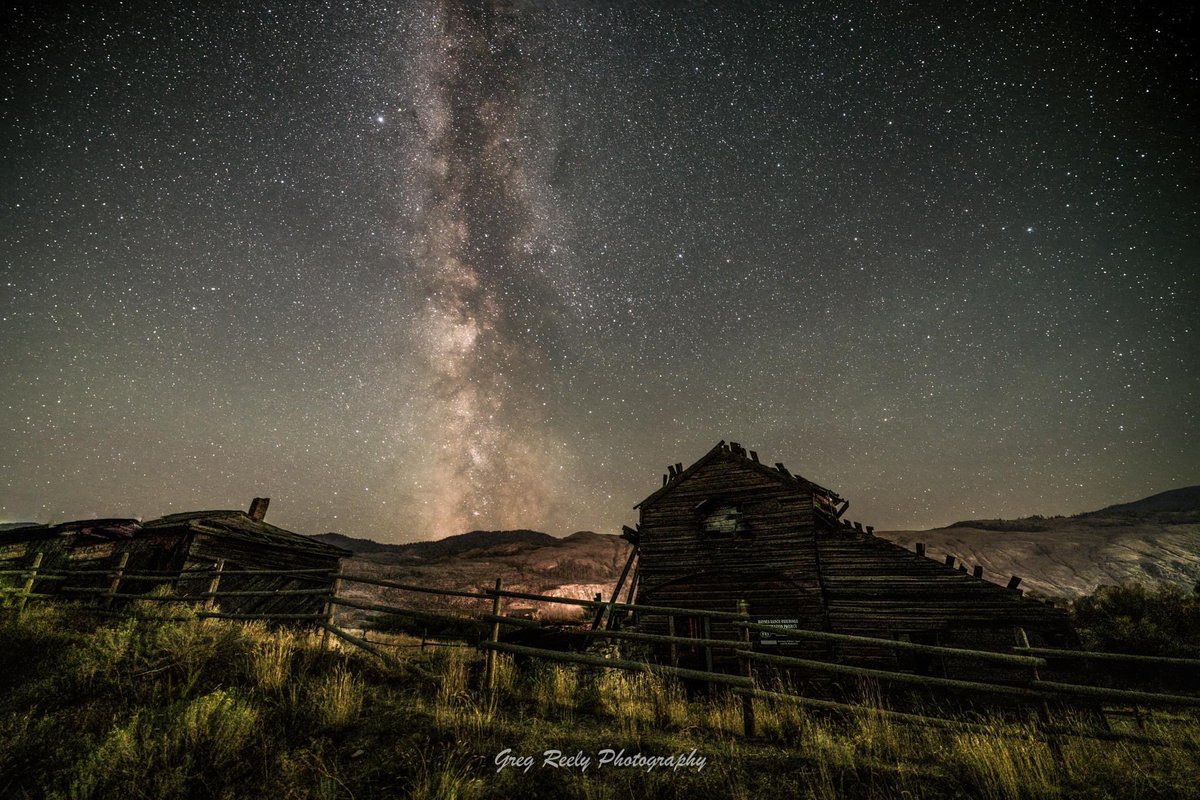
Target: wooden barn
187, 547
730, 528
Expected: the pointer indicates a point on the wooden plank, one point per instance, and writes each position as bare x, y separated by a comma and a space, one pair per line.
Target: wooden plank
354, 640
214, 584
1090, 655
262, 593
1126, 695
617, 663
403, 612
732, 644
898, 677
31, 578
748, 721
408, 587
642, 609
516, 622
975, 655
490, 673
617, 591
218, 615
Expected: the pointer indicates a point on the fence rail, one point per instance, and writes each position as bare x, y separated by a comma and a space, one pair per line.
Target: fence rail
1089, 655
1024, 684
912, 647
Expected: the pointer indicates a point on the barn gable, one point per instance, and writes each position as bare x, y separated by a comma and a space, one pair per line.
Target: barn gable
730, 528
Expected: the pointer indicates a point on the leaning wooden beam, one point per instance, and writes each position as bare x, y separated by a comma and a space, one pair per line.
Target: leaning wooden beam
408, 587
261, 593
192, 597
912, 647
617, 591
898, 677
402, 612
516, 622
732, 644
354, 640
263, 615
323, 572
1050, 652
617, 663
694, 612
192, 573
1126, 695
567, 601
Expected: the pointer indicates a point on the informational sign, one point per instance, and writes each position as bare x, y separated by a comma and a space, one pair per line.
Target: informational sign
767, 639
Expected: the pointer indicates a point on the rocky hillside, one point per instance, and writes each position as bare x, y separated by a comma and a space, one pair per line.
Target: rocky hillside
1153, 539
579, 566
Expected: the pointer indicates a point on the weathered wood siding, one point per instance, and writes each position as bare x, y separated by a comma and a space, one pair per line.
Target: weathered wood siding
770, 563
876, 588
673, 542
240, 554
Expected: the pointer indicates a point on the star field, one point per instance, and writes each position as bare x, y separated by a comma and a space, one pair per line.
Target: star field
417, 268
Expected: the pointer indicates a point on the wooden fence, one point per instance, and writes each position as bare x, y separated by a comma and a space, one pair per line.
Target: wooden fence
1025, 685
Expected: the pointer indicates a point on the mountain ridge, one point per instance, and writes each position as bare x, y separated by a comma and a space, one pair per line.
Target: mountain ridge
1156, 538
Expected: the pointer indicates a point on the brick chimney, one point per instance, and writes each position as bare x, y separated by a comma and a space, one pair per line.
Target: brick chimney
258, 508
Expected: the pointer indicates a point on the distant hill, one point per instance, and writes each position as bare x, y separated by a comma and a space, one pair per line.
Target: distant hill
1156, 538
354, 545
444, 548
1185, 500
579, 566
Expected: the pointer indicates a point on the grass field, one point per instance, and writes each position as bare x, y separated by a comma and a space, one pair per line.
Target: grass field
153, 707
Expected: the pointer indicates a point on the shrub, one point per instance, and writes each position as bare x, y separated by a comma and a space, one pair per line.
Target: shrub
1162, 620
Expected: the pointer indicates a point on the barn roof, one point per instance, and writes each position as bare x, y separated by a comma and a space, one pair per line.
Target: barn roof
93, 528
240, 525
735, 452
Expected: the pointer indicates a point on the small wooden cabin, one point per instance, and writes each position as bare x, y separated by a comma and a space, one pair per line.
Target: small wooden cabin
731, 528
187, 546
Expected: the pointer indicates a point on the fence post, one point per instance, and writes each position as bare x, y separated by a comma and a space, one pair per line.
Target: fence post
1023, 641
599, 601
490, 662
706, 629
1044, 709
748, 725
118, 573
27, 589
211, 601
328, 610
671, 633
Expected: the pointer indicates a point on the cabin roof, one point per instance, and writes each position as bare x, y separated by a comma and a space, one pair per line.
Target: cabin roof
97, 528
240, 525
735, 452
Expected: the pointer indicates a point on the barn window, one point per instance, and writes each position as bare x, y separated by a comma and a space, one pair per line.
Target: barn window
721, 518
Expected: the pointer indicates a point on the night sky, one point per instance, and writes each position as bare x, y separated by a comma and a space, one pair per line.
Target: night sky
412, 269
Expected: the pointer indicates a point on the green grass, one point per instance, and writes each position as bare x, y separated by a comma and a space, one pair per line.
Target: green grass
159, 708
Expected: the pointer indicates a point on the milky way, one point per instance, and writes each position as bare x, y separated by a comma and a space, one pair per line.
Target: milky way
479, 250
